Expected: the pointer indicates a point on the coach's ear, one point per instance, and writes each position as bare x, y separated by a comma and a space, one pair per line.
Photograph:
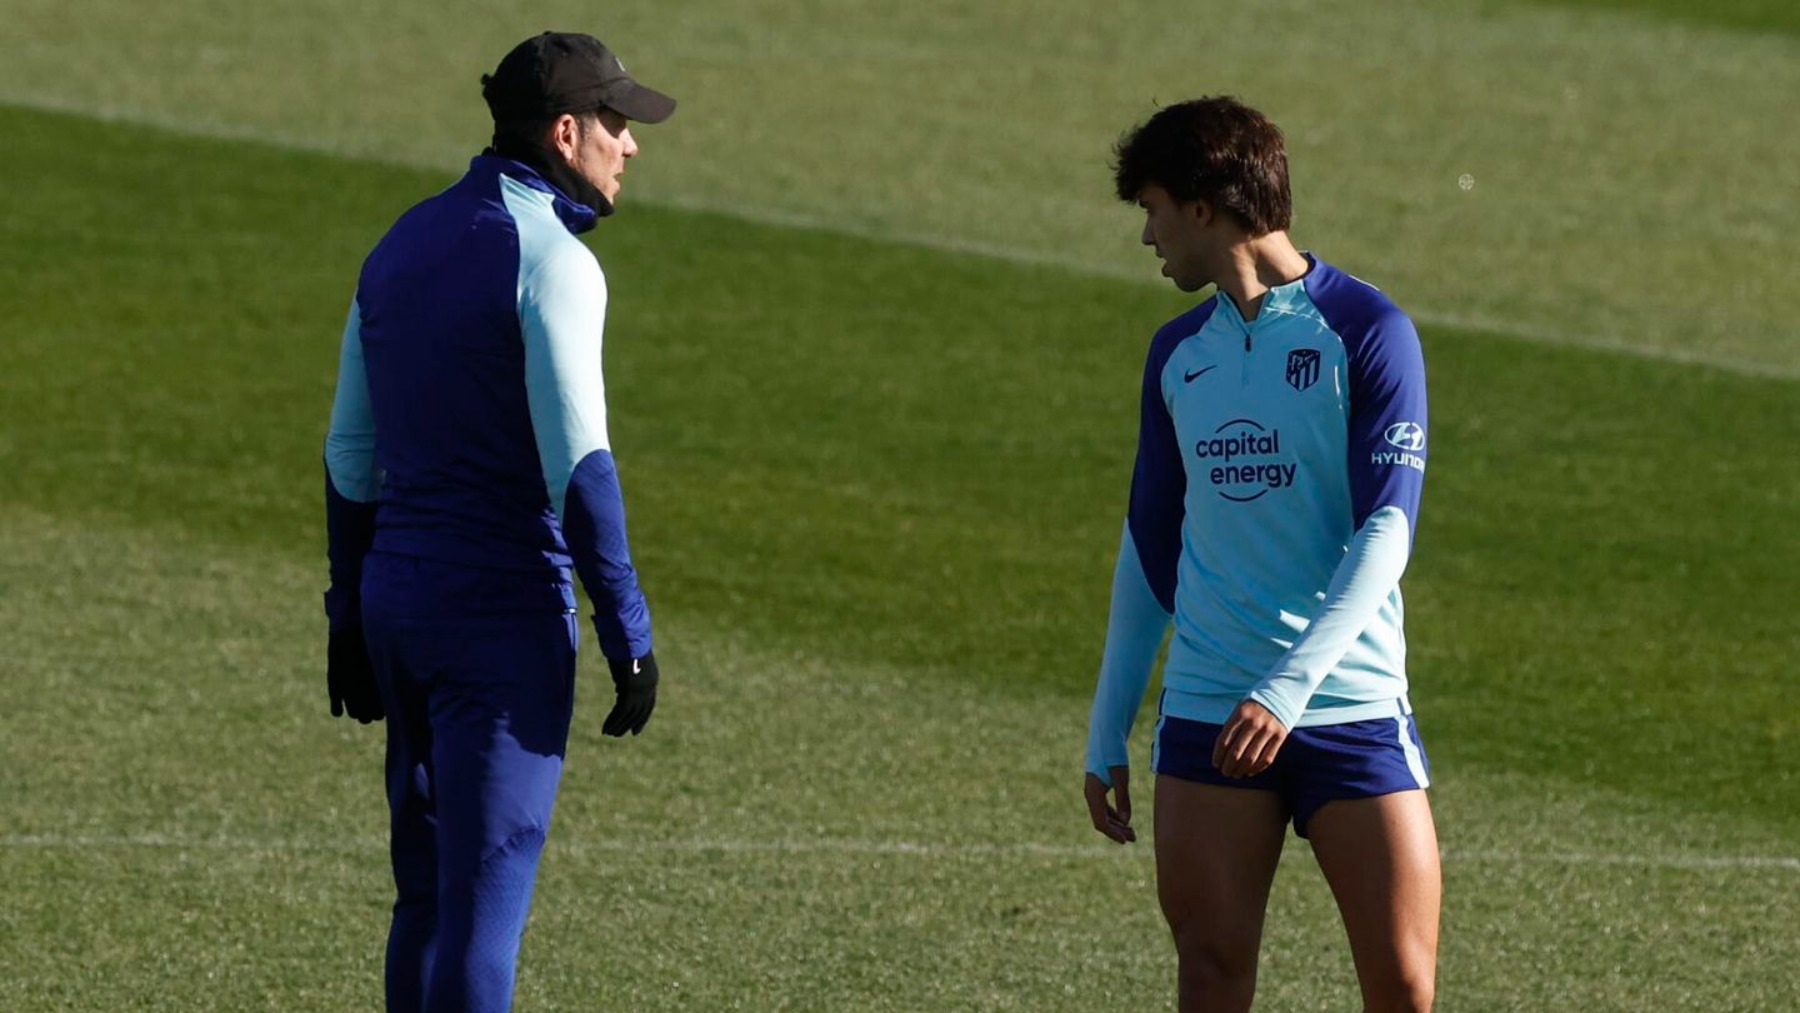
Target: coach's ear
564, 137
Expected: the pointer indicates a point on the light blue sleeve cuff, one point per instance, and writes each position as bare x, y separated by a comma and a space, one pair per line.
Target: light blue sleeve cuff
1365, 577
1134, 633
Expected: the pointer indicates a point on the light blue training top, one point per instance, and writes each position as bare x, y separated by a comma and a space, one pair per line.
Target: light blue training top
1273, 503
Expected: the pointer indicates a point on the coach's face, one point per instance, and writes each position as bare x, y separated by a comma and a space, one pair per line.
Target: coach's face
1178, 231
597, 149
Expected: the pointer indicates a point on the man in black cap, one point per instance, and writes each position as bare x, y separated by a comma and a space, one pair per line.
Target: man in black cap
468, 471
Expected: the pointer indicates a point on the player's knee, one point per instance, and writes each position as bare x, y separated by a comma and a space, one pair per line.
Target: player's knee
1405, 994
1213, 973
502, 884
1207, 987
1409, 984
515, 861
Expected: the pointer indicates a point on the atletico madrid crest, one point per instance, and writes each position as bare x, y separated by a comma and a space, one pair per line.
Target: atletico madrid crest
1303, 368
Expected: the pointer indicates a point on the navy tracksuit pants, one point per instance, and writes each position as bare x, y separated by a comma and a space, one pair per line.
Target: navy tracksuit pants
477, 672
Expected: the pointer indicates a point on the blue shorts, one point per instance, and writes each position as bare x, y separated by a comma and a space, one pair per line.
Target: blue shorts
1359, 759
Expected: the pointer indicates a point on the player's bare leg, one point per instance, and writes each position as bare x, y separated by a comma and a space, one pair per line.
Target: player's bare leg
1216, 851
1380, 856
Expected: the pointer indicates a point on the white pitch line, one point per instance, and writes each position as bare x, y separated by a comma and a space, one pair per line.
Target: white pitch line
854, 846
1692, 862
1427, 315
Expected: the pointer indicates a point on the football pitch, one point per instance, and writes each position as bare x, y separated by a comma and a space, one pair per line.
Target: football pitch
873, 353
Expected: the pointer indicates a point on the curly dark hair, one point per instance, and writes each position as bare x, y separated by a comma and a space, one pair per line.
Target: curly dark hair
1215, 149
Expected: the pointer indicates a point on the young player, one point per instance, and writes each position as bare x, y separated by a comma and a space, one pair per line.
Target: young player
1281, 454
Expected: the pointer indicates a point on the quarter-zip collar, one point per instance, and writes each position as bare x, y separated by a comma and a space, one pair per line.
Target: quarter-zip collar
575, 216
1282, 300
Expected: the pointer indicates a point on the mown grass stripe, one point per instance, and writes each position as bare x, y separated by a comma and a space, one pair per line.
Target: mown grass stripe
1586, 133
876, 491
831, 846
1426, 313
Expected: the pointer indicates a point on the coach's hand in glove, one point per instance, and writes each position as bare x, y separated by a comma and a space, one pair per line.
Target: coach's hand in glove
635, 680
351, 678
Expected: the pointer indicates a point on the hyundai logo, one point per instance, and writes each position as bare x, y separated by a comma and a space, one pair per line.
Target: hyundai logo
1407, 435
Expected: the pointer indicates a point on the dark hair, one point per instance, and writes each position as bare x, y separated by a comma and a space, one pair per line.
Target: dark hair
1215, 149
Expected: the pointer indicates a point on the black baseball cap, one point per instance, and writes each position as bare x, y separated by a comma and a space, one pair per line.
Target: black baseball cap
567, 72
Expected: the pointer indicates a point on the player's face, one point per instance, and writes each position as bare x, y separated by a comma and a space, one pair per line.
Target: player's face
1178, 231
601, 151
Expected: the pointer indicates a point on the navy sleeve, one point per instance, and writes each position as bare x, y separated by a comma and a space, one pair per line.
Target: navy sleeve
1158, 479
1387, 425
594, 525
349, 531
1388, 421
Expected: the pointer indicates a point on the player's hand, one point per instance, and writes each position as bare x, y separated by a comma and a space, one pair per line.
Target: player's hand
350, 678
635, 681
1249, 741
1114, 821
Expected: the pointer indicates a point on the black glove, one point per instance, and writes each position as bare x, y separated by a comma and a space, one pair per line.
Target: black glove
351, 678
635, 681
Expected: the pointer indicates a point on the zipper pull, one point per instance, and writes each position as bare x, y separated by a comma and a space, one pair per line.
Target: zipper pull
1246, 341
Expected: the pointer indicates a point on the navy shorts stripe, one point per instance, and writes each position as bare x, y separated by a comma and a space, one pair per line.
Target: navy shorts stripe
1358, 759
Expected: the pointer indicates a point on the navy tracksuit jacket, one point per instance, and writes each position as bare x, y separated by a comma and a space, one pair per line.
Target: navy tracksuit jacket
468, 471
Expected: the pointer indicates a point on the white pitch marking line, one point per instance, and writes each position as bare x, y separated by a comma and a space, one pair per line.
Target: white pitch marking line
1642, 861
849, 846
811, 223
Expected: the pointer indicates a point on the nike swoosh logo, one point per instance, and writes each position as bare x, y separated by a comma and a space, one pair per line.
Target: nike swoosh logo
1197, 374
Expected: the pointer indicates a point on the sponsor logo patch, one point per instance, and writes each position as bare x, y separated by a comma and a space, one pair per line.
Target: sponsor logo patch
1409, 438
1244, 471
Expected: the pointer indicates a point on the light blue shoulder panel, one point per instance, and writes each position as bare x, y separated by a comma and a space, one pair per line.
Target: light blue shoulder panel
562, 314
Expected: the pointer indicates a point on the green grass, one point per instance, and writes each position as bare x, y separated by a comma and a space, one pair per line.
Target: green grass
1633, 179
875, 490
1743, 15
883, 454
188, 831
